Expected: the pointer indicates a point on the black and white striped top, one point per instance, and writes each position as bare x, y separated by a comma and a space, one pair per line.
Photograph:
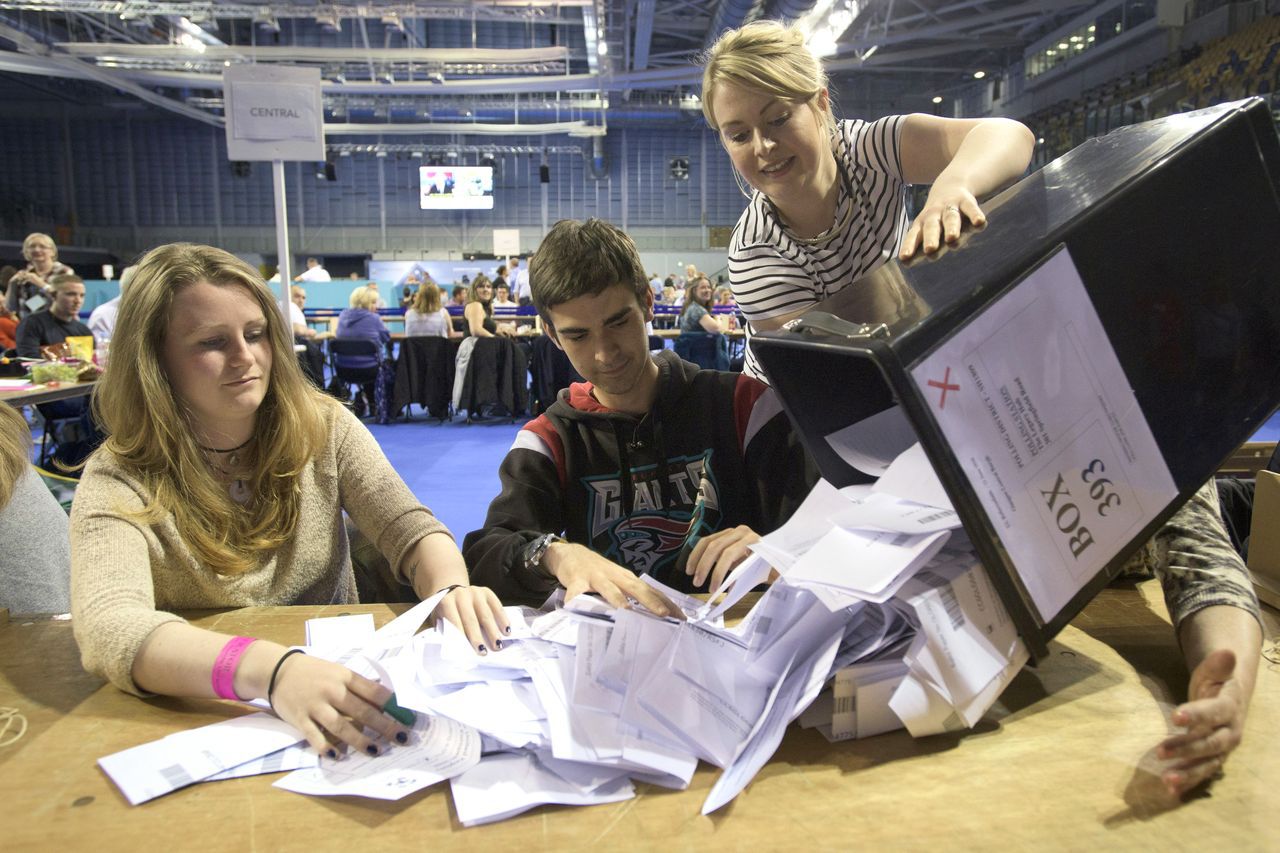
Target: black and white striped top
773, 275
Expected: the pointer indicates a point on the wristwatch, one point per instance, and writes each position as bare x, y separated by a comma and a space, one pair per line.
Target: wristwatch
536, 550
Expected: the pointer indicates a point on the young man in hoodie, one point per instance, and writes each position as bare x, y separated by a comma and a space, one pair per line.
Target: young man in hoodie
650, 467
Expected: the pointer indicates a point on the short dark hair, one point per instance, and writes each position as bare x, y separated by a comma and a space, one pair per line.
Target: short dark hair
56, 282
584, 259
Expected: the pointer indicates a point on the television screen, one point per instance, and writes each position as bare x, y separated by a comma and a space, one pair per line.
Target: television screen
456, 187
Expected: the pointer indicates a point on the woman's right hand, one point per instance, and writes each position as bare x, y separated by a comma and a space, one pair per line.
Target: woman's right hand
333, 706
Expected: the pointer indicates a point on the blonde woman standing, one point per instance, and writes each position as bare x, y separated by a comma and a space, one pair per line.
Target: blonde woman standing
827, 201
222, 483
34, 280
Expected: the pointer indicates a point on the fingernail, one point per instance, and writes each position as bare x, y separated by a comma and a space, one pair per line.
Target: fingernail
506, 630
332, 753
481, 649
497, 645
402, 737
371, 749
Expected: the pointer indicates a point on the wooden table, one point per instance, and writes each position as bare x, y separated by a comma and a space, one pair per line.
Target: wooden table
47, 394
1063, 761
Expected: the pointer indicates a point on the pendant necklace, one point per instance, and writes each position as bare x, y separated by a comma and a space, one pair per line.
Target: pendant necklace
238, 488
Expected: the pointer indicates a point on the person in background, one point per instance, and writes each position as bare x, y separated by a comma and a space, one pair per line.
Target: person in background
827, 197
519, 281
406, 296
724, 296
361, 321
35, 562
60, 320
696, 314
427, 317
652, 466
313, 272
8, 319
500, 278
102, 320
30, 287
460, 295
379, 302
355, 276
502, 299
655, 284
311, 358
223, 483
478, 319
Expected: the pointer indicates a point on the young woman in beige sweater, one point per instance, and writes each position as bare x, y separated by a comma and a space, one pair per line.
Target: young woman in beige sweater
222, 483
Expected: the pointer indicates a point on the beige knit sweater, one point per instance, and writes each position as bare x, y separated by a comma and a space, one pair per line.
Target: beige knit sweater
127, 578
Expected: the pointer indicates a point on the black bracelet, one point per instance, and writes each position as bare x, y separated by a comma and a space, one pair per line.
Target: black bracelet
448, 589
271, 685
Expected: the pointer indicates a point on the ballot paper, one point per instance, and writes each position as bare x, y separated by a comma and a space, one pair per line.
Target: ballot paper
157, 768
871, 444
881, 617
438, 749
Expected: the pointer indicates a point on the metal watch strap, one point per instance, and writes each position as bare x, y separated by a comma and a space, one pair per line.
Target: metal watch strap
536, 550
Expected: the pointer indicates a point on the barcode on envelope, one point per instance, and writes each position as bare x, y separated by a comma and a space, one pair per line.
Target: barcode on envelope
176, 775
946, 593
843, 705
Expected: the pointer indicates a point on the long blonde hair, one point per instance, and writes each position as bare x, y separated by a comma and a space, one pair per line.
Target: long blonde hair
427, 299
148, 431
768, 57
15, 451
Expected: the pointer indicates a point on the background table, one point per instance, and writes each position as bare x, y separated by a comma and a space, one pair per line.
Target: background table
46, 394
1064, 760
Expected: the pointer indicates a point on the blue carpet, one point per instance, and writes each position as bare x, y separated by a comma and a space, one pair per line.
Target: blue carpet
451, 467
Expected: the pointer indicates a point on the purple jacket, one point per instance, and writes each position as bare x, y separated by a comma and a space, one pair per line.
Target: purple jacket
361, 323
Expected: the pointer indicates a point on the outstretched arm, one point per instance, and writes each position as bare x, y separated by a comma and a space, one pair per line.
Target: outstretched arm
1222, 647
963, 159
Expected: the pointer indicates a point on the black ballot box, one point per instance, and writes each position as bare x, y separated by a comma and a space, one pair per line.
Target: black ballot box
1077, 369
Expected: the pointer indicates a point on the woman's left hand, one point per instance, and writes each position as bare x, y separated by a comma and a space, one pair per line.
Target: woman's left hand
1213, 721
941, 219
478, 612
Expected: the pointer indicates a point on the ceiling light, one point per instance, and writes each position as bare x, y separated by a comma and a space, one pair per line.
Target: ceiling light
1051, 52
380, 153
1062, 45
602, 48
330, 23
391, 19
267, 22
937, 99
978, 75
1040, 140
1092, 28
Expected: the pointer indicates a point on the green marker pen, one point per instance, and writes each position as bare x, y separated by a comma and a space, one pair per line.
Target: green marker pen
403, 715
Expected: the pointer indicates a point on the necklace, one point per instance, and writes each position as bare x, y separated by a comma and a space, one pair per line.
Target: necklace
835, 230
238, 488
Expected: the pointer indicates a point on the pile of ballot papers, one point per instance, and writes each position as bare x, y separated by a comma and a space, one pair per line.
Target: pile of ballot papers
880, 617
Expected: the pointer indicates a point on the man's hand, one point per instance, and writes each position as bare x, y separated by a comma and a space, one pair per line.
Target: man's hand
1213, 718
579, 570
717, 554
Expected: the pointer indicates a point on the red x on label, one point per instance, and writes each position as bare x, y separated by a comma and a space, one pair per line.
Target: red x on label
946, 385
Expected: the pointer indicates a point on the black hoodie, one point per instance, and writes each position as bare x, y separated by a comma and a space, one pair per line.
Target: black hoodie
716, 445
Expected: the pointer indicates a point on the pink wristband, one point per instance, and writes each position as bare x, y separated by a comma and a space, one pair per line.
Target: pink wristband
224, 668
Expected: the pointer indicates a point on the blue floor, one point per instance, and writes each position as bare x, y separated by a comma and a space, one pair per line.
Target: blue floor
451, 467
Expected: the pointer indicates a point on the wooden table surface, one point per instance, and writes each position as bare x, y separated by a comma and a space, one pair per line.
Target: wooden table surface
47, 394
1063, 761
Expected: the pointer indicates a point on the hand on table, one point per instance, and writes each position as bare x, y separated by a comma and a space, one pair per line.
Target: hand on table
332, 706
941, 219
1213, 717
579, 570
717, 555
477, 611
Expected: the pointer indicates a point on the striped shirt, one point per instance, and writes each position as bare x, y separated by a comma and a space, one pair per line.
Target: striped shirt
773, 274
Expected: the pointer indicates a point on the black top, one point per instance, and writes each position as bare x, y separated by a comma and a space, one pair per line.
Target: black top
42, 329
488, 325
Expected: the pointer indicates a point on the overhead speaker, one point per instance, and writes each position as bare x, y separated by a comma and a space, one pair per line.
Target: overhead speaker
544, 174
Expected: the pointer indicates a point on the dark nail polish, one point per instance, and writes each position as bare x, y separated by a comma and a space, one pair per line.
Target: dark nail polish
332, 753
371, 749
481, 649
402, 737
506, 630
497, 644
